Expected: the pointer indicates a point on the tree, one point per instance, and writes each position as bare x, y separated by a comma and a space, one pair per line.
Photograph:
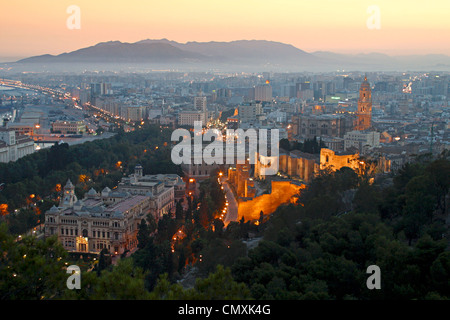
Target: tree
99, 131
143, 235
440, 273
439, 174
218, 226
219, 285
164, 290
155, 259
151, 223
31, 268
179, 212
366, 199
285, 144
123, 282
219, 251
103, 261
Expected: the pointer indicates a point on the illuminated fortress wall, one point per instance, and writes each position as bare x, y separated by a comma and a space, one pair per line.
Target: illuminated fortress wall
336, 161
282, 192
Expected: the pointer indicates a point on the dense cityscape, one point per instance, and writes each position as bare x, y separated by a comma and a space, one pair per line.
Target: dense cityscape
93, 205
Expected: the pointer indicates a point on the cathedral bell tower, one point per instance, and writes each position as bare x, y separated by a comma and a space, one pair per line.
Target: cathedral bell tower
364, 112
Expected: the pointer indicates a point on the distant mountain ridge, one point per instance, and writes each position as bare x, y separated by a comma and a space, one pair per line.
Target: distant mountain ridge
257, 53
116, 51
242, 51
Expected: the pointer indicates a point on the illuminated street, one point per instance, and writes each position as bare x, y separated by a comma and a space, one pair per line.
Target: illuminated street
232, 212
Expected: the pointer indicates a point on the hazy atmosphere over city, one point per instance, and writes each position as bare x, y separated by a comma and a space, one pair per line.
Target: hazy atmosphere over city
225, 158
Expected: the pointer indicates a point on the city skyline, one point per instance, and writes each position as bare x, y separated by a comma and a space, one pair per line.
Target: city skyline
405, 27
225, 151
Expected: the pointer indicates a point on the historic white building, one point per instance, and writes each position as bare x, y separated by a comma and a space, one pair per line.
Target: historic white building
160, 189
105, 220
14, 146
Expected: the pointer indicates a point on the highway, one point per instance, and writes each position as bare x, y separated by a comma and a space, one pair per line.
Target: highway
20, 85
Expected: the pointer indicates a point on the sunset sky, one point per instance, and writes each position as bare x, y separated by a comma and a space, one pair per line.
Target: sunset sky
33, 27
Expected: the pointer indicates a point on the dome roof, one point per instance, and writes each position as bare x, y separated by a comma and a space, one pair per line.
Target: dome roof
106, 189
53, 209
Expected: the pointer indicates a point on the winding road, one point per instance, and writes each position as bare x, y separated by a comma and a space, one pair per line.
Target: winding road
232, 211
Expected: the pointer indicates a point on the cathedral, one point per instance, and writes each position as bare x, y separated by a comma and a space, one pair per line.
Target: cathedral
364, 112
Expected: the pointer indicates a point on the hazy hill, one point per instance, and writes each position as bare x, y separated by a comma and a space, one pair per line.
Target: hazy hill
119, 52
260, 51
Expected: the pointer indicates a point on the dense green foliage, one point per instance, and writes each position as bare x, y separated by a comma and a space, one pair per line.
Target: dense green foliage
29, 268
309, 145
219, 285
321, 249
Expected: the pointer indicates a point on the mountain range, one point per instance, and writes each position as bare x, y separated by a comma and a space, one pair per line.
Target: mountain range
259, 54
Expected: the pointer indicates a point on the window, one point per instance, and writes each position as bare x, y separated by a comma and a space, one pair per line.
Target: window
85, 233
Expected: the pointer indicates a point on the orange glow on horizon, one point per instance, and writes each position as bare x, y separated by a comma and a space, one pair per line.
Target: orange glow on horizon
407, 26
